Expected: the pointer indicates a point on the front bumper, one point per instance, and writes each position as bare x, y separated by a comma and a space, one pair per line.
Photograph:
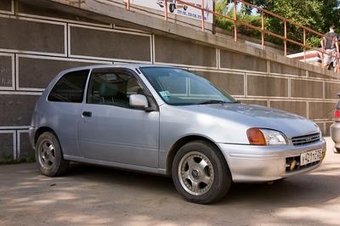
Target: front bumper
248, 163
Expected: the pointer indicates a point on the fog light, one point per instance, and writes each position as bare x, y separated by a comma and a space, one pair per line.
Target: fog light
292, 165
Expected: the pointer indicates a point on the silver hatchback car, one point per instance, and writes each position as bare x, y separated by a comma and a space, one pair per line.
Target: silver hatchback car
169, 121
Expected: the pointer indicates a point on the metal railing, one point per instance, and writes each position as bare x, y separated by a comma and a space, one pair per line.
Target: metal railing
262, 29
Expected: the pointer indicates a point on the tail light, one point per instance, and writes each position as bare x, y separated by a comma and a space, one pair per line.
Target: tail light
337, 115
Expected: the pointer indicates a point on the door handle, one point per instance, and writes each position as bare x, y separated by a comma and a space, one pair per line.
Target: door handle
87, 114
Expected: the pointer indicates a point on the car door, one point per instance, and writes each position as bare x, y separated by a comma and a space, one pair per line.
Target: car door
109, 129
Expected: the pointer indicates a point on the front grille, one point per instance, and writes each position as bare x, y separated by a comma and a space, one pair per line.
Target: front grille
308, 139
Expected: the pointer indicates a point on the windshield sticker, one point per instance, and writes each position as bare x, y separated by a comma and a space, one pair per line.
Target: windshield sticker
165, 94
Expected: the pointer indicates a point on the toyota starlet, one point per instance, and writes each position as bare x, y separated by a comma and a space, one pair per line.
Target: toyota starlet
169, 121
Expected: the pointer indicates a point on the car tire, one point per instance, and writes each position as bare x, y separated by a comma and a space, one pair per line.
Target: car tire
49, 157
200, 173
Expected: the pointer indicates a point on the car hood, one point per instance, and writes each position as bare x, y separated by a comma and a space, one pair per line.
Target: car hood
259, 116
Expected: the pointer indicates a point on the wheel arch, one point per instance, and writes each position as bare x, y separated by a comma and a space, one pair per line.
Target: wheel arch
42, 130
175, 148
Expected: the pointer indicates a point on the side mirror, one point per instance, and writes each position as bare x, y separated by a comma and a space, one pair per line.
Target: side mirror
138, 101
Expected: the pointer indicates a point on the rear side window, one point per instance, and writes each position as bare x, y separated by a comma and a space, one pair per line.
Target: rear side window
70, 87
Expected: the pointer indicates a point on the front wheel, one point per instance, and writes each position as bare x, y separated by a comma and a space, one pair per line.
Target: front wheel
200, 173
48, 155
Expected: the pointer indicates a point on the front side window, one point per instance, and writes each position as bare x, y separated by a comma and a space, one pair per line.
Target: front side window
70, 87
112, 86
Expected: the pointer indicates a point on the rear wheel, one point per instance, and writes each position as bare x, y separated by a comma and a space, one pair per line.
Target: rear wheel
200, 173
49, 156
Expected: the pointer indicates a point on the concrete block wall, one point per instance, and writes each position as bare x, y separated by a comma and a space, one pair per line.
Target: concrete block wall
35, 44
38, 39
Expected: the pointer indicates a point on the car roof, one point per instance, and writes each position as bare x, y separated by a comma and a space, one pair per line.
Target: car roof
122, 65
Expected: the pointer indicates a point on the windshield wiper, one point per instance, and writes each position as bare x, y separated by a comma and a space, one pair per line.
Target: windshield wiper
219, 102
214, 102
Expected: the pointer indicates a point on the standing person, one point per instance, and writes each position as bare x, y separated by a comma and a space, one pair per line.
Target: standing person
330, 48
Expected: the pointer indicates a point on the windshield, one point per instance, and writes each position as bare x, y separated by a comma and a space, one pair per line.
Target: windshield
180, 87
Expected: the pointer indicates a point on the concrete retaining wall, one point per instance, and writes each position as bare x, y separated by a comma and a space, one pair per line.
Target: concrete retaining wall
40, 38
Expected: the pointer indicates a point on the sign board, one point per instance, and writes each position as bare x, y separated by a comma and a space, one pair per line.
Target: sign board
180, 8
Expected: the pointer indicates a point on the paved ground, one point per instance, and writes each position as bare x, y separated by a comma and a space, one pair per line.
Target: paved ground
91, 195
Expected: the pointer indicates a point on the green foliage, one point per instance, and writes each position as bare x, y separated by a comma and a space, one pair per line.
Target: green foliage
7, 158
30, 158
253, 20
242, 15
225, 24
313, 42
221, 6
315, 14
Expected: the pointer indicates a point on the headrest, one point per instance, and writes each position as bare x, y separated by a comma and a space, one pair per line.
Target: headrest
107, 90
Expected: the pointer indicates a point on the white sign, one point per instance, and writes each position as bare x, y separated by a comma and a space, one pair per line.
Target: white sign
180, 8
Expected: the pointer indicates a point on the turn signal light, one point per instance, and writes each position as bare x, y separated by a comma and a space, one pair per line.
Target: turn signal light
256, 137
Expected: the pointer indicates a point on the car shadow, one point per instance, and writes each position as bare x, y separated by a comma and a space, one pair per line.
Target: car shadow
308, 189
315, 187
122, 177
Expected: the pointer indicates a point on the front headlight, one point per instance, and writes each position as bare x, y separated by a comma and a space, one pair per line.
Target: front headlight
258, 136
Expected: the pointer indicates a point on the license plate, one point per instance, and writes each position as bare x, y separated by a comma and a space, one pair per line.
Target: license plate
311, 156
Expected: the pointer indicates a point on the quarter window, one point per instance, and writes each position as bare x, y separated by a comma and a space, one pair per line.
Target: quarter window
70, 87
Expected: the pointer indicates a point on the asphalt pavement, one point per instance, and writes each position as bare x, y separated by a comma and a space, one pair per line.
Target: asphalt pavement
92, 195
